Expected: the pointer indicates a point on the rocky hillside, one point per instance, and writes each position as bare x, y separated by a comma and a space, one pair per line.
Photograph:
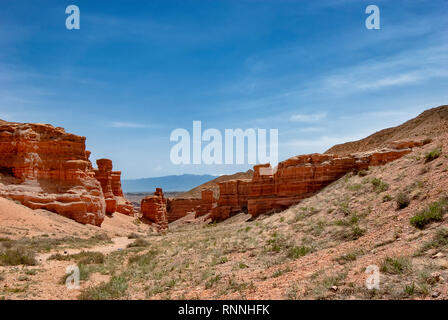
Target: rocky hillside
430, 123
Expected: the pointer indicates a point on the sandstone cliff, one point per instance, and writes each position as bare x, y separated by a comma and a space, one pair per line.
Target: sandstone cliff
300, 177
178, 208
44, 167
233, 196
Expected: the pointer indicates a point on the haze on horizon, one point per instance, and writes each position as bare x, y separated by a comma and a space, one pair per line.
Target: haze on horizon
136, 71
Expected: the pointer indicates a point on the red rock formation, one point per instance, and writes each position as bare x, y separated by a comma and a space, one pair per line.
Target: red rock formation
111, 186
207, 204
233, 195
302, 176
154, 208
178, 208
44, 167
116, 183
123, 205
104, 175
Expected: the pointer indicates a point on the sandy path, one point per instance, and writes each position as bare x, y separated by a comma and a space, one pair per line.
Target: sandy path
118, 243
46, 283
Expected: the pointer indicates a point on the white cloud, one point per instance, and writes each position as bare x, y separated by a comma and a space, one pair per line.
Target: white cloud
127, 125
314, 117
312, 129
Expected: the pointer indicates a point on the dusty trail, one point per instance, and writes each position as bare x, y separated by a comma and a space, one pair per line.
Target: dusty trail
46, 282
118, 243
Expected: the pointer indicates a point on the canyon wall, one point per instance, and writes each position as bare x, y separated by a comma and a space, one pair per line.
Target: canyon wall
233, 196
295, 179
300, 177
207, 204
154, 208
178, 208
44, 167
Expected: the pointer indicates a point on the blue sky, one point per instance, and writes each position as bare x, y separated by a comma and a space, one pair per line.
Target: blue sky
136, 70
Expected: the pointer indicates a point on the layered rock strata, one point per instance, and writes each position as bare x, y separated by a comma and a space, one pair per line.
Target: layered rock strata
293, 180
44, 167
300, 177
233, 197
111, 186
178, 208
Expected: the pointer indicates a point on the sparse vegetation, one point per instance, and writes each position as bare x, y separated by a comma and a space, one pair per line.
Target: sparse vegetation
297, 252
114, 289
17, 256
363, 173
433, 154
139, 242
212, 281
402, 200
349, 257
379, 185
354, 187
439, 240
280, 272
396, 265
84, 257
434, 212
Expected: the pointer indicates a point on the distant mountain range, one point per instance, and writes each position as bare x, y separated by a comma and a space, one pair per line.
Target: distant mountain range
183, 182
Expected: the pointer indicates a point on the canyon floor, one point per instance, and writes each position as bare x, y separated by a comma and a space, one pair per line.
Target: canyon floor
318, 249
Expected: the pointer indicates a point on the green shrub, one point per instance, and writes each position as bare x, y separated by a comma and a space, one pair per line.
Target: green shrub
396, 265
354, 187
379, 185
84, 273
275, 243
345, 258
410, 289
363, 173
357, 232
17, 256
114, 289
139, 242
434, 212
402, 200
144, 259
432, 155
297, 252
387, 198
